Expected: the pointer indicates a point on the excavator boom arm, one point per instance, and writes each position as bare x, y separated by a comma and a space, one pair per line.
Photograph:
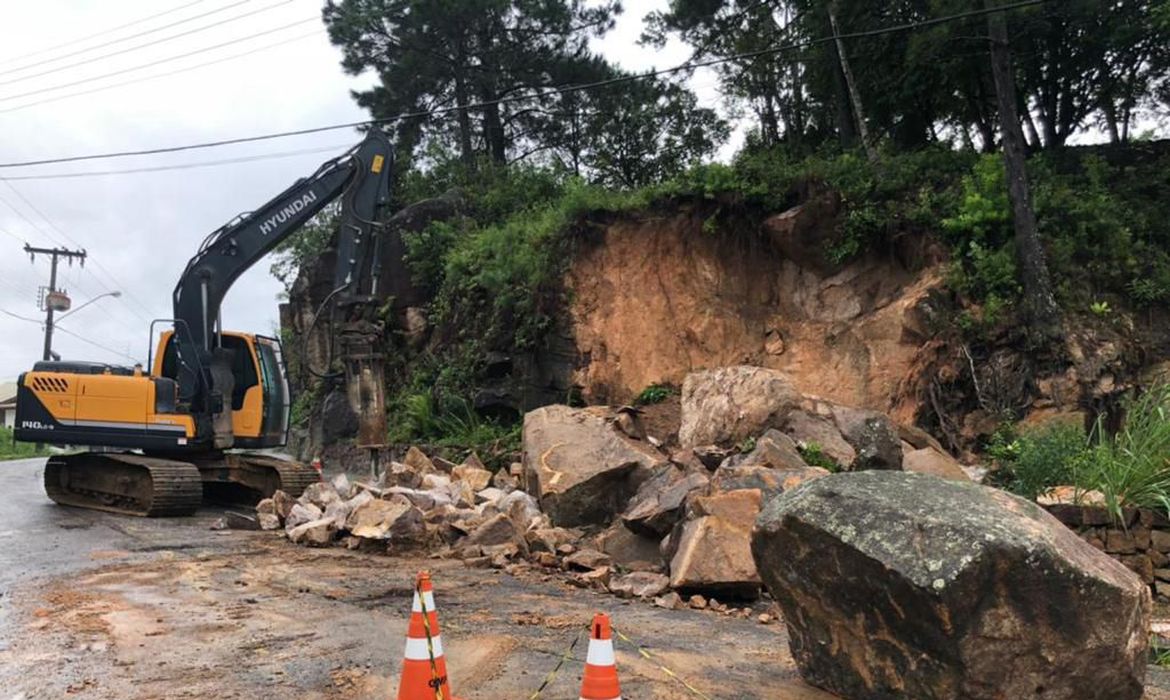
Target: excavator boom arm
361, 178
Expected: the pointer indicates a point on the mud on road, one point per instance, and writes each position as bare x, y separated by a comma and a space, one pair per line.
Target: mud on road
331, 624
95, 606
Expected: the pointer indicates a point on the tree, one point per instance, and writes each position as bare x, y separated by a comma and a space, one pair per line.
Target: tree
1039, 301
450, 54
636, 133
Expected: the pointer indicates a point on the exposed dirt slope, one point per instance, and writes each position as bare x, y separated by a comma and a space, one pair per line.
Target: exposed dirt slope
655, 299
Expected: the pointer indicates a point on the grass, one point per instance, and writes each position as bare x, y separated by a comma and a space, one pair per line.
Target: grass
655, 393
1131, 469
9, 449
814, 456
453, 423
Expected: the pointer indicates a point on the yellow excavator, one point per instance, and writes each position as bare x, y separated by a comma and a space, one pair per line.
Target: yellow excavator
159, 436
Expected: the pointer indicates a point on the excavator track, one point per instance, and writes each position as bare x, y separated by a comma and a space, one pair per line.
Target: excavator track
129, 484
240, 477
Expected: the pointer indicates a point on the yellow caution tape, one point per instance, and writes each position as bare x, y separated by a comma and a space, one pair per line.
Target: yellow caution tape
436, 682
654, 660
553, 674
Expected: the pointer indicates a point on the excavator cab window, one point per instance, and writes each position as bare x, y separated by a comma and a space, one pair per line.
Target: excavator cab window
277, 398
243, 366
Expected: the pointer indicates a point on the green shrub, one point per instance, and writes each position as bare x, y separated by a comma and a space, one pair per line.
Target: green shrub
1032, 463
814, 456
655, 393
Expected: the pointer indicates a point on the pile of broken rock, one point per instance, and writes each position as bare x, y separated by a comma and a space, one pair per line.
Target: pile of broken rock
597, 498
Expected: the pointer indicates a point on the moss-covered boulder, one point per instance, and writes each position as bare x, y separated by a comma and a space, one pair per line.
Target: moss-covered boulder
897, 585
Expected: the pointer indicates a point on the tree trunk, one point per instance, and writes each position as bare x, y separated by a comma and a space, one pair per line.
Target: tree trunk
1043, 314
466, 151
851, 84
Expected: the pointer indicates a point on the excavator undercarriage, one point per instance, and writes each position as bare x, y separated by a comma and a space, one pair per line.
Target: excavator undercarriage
132, 484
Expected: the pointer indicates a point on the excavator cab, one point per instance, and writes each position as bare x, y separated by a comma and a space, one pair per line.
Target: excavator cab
260, 401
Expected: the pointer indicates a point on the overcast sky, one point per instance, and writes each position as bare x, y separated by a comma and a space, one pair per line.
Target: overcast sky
140, 229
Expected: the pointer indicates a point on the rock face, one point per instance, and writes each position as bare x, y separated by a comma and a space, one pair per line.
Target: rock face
898, 585
730, 404
577, 465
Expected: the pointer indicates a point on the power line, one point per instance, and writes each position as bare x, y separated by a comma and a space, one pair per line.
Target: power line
179, 166
96, 344
92, 59
22, 318
125, 38
689, 66
152, 64
167, 74
104, 32
126, 293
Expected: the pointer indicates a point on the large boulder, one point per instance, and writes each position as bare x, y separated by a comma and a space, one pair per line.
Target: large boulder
817, 432
872, 435
934, 462
713, 551
579, 468
657, 506
770, 482
897, 585
731, 404
395, 518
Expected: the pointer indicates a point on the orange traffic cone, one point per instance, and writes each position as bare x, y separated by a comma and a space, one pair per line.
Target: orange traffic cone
601, 679
424, 670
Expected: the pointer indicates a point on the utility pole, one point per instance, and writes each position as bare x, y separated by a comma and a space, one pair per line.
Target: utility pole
50, 305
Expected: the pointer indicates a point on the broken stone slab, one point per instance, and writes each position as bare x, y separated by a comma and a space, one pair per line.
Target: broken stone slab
461, 494
811, 430
301, 514
774, 450
268, 521
393, 518
588, 560
474, 472
343, 487
728, 405
435, 482
918, 438
417, 460
975, 593
497, 530
548, 539
266, 506
489, 495
403, 475
713, 549
239, 521
640, 584
315, 533
627, 549
320, 494
283, 504
424, 500
872, 435
930, 461
710, 456
657, 505
504, 481
770, 482
579, 468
